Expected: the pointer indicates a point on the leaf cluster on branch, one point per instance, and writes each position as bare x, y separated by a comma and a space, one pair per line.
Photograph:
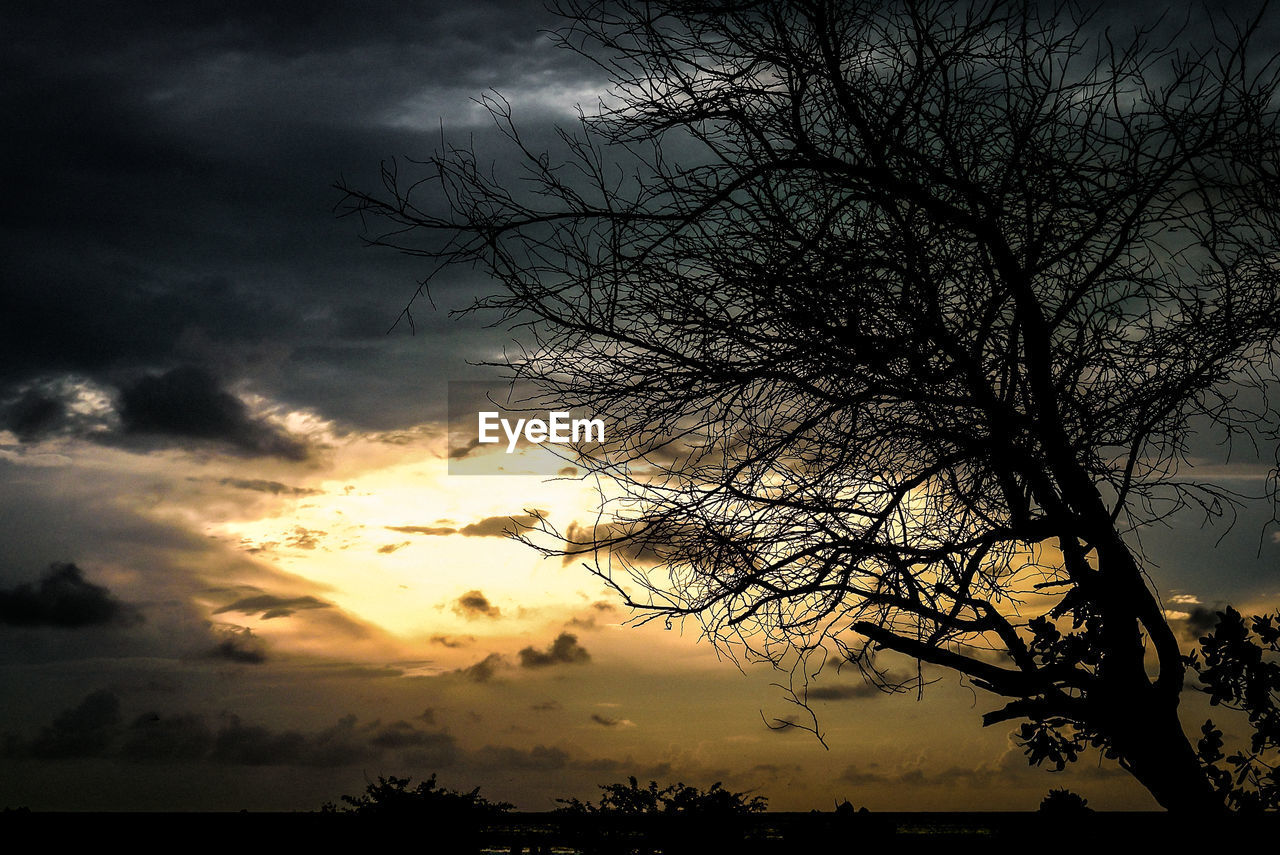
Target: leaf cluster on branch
1237, 666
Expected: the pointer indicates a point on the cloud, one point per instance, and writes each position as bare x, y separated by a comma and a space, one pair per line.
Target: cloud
270, 606
539, 758
842, 693
453, 641
858, 777
1009, 767
419, 747
63, 598
484, 670
244, 745
421, 529
642, 546
273, 487
1196, 623
304, 538
474, 604
33, 415
785, 725
461, 451
188, 403
156, 738
85, 730
93, 729
487, 527
605, 721
388, 548
546, 706
239, 644
564, 650
432, 750
499, 526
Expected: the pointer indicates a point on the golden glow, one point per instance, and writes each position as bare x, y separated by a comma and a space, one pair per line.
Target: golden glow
344, 539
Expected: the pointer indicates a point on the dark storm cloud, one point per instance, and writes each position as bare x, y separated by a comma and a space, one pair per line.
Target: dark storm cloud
474, 604
270, 606
59, 320
33, 415
565, 650
288, 28
169, 197
63, 598
188, 403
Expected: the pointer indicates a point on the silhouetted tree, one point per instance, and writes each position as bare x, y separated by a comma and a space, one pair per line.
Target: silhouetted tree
903, 316
441, 819
677, 818
633, 799
393, 797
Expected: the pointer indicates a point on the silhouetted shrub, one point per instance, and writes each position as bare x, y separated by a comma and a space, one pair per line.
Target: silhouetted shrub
1064, 803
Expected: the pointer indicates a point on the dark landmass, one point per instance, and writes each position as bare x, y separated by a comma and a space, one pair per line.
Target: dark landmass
557, 832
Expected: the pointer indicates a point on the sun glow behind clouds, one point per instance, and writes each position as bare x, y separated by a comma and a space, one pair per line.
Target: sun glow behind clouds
376, 536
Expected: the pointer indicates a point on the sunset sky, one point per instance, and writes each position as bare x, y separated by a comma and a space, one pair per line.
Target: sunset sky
235, 571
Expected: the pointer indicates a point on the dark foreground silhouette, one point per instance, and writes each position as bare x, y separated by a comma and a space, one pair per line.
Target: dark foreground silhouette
561, 833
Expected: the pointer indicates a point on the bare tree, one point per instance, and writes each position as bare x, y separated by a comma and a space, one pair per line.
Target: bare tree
903, 315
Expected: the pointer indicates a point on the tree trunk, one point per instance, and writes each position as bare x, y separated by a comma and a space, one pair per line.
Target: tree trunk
1141, 717
1151, 743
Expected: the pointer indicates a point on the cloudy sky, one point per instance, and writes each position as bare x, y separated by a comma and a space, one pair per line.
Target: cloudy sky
234, 569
